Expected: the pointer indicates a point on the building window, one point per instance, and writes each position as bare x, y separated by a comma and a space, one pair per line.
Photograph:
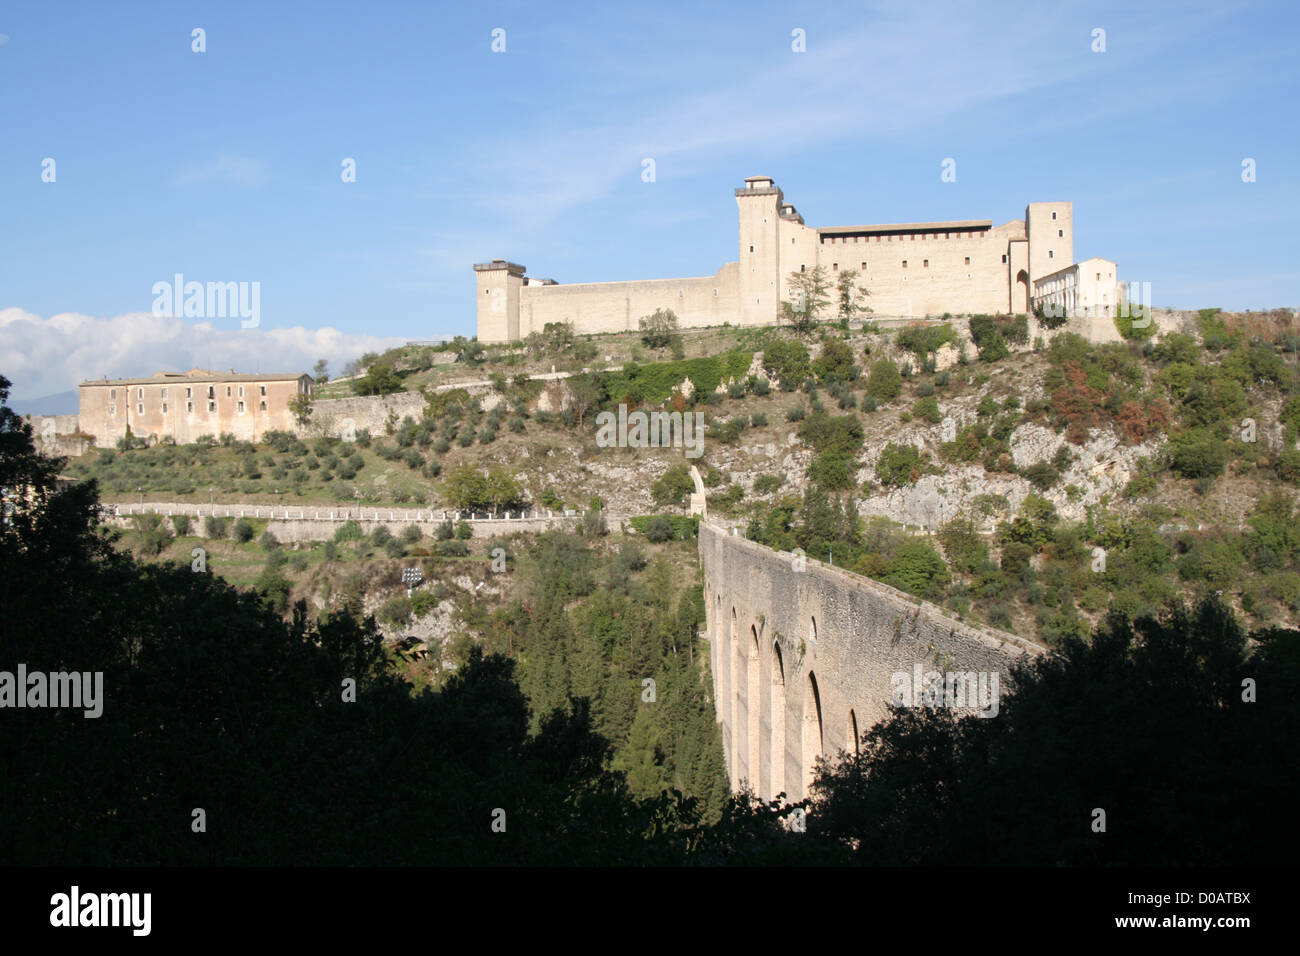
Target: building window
751, 248
1098, 276
139, 393
112, 393
263, 406
241, 408
968, 260
1053, 215
227, 391
241, 391
212, 392
164, 408
264, 387
139, 409
715, 295
904, 263
835, 267
189, 406
212, 406
1051, 254
189, 393
1004, 257
864, 267
1060, 233
164, 394
112, 410
925, 263
802, 267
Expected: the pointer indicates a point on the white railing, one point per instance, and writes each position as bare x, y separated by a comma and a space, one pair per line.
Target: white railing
386, 515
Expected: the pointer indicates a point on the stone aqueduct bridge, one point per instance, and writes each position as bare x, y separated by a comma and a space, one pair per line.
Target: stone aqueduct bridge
802, 661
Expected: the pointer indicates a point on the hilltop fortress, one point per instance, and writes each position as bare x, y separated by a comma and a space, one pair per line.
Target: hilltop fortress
910, 270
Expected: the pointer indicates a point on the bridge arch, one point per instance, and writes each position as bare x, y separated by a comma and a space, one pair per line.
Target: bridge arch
777, 710
812, 735
754, 679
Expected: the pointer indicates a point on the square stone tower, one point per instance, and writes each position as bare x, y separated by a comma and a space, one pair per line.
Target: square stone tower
760, 204
1049, 226
499, 283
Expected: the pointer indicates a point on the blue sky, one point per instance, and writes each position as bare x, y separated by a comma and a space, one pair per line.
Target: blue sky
225, 165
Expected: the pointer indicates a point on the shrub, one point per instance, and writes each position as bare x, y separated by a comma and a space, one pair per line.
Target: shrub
181, 525
348, 531
787, 359
795, 413
215, 527
411, 534
268, 542
659, 529
766, 484
453, 549
898, 465
1197, 453
927, 409
673, 487
464, 530
918, 569
884, 382
242, 531
444, 531
1042, 475
758, 419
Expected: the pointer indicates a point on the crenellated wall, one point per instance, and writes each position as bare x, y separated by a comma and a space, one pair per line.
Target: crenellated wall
803, 660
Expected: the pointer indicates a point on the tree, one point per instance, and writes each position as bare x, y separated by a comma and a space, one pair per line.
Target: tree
321, 372
673, 486
884, 382
810, 298
378, 380
788, 360
658, 328
301, 407
851, 295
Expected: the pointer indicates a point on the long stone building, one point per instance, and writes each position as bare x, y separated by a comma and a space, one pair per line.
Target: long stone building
185, 405
911, 269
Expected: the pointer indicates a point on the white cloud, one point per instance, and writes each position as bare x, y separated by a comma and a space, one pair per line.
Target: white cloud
233, 170
43, 356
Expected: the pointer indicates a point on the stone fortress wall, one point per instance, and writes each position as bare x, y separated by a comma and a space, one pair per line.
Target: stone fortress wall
803, 660
910, 270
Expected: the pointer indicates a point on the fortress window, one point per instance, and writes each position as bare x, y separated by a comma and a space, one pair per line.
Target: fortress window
968, 260
487, 291
241, 408
227, 391
164, 393
212, 392
864, 267
112, 409
1060, 233
263, 406
189, 393
164, 408
715, 293
835, 267
904, 263
112, 393
263, 387
212, 406
189, 407
1053, 215
139, 409
1051, 254
139, 393
751, 248
925, 263
1098, 276
1004, 257
802, 267
241, 391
